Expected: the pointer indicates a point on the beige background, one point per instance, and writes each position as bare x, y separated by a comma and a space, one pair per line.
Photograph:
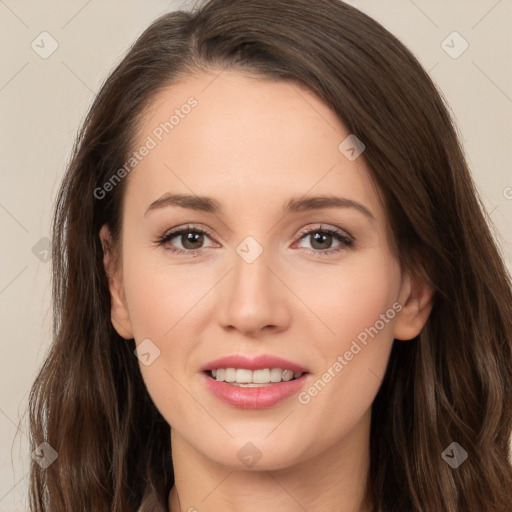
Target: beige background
43, 101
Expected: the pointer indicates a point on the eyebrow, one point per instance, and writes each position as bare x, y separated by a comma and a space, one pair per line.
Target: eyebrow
210, 205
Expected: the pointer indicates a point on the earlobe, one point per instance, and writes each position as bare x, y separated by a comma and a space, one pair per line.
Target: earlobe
416, 299
118, 309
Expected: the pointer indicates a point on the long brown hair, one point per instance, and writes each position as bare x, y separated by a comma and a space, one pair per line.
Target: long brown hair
450, 384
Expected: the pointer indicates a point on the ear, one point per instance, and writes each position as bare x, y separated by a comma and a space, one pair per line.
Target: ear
416, 300
118, 309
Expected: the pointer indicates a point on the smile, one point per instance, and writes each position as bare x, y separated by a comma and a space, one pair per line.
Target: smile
253, 382
253, 378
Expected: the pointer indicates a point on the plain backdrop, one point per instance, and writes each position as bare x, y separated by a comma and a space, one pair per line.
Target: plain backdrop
43, 101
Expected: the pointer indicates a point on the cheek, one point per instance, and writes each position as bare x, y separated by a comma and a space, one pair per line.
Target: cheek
351, 297
161, 301
159, 295
357, 306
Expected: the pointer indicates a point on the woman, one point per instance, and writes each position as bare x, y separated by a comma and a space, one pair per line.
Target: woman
274, 283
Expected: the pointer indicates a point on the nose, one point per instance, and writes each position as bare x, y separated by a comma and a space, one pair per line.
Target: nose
253, 300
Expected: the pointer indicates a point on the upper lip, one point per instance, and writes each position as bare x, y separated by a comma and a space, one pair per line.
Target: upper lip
255, 363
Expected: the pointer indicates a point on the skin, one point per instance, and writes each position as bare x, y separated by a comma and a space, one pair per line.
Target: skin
253, 144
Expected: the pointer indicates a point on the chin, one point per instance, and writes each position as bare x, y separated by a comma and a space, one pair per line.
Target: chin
258, 455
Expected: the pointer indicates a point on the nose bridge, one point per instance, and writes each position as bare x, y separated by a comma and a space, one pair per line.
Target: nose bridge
253, 299
251, 275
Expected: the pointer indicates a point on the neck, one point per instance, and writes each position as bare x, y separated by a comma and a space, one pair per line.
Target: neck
331, 481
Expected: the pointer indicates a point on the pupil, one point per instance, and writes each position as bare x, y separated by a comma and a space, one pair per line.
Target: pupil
192, 238
317, 239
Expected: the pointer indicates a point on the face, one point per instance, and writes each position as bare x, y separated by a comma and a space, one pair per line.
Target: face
314, 284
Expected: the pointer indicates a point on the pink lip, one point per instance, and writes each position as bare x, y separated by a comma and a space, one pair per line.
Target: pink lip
254, 398
259, 397
256, 363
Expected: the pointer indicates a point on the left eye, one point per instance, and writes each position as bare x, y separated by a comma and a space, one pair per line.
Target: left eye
192, 240
320, 238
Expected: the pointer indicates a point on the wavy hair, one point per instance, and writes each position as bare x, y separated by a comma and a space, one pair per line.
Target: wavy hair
450, 384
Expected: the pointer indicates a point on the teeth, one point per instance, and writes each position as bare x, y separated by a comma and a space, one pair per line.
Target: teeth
276, 374
259, 376
243, 376
230, 375
287, 375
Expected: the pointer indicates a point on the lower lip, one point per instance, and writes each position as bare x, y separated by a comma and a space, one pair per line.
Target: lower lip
254, 398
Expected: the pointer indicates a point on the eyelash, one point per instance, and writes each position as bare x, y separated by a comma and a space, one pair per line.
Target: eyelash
345, 240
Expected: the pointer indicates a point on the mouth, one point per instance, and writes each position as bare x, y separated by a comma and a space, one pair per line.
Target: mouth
254, 383
246, 378
254, 389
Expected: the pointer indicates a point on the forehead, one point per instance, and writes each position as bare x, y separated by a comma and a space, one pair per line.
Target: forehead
244, 139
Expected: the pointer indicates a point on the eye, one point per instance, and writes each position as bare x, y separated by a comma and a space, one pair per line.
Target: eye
321, 239
190, 238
